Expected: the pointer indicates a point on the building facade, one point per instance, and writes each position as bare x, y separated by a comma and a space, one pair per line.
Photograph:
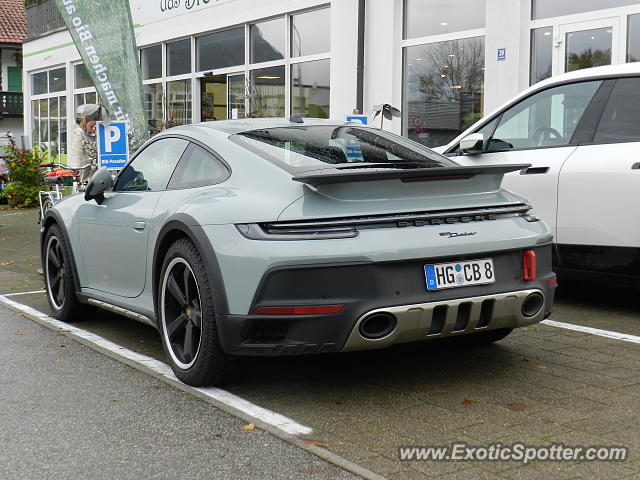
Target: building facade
443, 63
13, 30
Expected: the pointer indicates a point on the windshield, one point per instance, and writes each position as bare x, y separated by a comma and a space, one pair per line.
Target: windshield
300, 148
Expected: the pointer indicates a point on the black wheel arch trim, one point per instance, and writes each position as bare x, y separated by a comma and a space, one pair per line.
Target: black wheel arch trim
188, 226
50, 218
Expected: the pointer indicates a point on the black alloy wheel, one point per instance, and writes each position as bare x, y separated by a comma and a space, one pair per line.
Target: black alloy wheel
187, 321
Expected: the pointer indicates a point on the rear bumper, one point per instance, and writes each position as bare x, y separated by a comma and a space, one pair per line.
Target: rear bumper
397, 288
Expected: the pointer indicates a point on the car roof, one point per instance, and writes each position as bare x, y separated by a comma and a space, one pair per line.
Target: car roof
246, 124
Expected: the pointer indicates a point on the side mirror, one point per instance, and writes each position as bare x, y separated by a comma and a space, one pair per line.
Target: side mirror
99, 183
472, 144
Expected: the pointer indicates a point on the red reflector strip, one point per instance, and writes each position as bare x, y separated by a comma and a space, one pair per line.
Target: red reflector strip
317, 310
529, 265
434, 178
553, 281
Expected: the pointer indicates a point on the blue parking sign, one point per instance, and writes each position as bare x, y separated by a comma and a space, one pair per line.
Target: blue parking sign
113, 144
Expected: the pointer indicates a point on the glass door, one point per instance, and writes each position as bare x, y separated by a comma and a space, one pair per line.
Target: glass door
588, 44
222, 97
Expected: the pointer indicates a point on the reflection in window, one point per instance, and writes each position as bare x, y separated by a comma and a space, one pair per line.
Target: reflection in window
633, 39
179, 57
619, 121
267, 40
434, 17
153, 106
555, 8
221, 49
310, 88
541, 53
82, 78
310, 33
198, 168
151, 62
58, 80
152, 168
267, 92
588, 48
82, 98
179, 103
39, 83
547, 118
443, 89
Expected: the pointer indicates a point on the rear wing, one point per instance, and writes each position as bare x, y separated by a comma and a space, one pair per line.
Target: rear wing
333, 175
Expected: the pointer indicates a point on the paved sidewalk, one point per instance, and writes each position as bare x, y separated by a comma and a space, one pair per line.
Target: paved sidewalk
71, 413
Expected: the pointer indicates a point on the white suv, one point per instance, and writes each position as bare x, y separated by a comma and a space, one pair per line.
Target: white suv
581, 134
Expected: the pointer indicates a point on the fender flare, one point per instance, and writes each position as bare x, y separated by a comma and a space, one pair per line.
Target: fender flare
188, 226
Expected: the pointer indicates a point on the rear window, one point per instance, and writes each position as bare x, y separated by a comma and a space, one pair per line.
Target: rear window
313, 147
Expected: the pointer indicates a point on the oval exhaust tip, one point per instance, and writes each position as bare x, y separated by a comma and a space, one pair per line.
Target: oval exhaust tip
532, 305
377, 326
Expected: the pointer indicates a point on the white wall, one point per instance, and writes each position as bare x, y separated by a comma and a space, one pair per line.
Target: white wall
507, 26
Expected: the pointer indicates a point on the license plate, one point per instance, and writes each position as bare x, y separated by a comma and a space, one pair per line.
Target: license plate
459, 274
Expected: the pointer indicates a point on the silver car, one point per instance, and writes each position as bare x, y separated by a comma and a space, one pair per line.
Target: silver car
287, 237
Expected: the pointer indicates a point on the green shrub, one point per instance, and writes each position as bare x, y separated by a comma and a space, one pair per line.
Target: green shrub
25, 175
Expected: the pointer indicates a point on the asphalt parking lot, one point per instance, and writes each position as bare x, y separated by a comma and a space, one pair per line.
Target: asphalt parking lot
541, 385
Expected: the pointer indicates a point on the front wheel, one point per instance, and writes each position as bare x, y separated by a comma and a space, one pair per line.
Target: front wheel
186, 310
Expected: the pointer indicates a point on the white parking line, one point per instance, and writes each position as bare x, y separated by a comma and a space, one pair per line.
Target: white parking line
22, 293
281, 422
594, 331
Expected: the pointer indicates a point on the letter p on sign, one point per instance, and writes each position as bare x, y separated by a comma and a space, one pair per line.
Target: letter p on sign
112, 135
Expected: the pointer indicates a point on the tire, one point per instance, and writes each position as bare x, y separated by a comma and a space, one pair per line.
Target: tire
46, 205
186, 318
59, 283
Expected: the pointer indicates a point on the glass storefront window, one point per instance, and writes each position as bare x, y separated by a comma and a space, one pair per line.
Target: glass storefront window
541, 54
311, 33
310, 88
82, 98
220, 49
267, 92
179, 57
153, 99
82, 78
633, 39
236, 90
588, 48
555, 8
39, 83
443, 89
178, 103
267, 40
151, 62
58, 80
433, 17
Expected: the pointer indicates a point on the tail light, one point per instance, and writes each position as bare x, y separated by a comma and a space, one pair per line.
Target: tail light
529, 265
310, 310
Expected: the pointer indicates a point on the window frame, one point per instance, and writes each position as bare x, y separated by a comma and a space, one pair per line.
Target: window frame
594, 108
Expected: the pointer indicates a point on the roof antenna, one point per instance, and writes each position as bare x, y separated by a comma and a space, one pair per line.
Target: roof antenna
297, 118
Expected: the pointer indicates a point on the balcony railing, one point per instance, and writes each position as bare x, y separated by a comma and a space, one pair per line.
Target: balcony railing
11, 104
42, 18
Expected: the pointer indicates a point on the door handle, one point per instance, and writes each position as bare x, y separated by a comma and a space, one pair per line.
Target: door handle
138, 225
635, 166
534, 171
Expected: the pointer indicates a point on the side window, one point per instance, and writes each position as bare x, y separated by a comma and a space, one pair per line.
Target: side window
545, 119
198, 168
152, 168
619, 121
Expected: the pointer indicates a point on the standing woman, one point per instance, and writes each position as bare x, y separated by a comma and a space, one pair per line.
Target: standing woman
84, 149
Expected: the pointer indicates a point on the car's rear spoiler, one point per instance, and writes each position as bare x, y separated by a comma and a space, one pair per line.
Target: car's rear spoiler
329, 176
